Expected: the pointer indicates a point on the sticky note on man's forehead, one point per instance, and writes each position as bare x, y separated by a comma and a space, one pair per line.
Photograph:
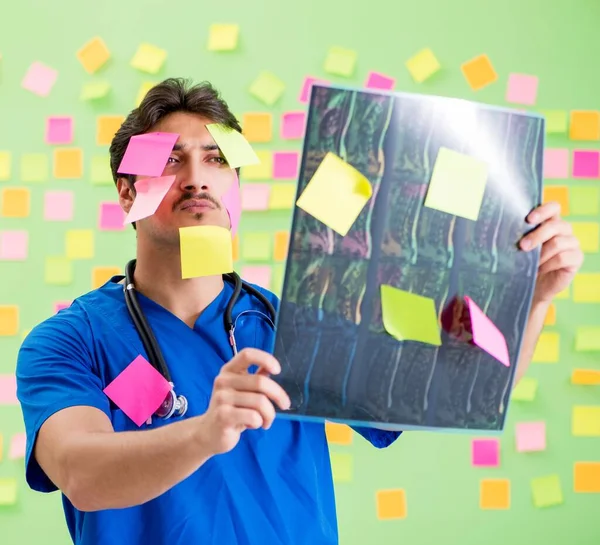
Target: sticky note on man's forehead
147, 154
233, 145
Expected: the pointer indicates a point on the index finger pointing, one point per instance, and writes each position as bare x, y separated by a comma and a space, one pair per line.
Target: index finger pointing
247, 357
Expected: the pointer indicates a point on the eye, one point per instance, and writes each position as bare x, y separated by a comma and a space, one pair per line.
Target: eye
173, 160
219, 159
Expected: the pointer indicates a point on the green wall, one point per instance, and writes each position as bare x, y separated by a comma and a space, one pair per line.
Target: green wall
558, 41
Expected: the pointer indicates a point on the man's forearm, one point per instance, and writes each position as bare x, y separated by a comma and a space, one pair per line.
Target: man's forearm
533, 328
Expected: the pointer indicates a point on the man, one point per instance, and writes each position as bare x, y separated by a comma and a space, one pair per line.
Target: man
228, 472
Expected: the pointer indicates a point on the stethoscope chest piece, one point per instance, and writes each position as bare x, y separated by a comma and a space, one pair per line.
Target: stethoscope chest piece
173, 405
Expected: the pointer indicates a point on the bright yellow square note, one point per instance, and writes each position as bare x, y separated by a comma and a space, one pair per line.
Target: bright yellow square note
9, 320
58, 271
263, 170
15, 202
340, 61
282, 196
546, 491
588, 234
80, 244
341, 467
68, 163
557, 121
206, 250
336, 194
5, 162
93, 55
586, 288
423, 65
148, 58
547, 349
34, 167
587, 339
258, 126
233, 145
585, 421
223, 37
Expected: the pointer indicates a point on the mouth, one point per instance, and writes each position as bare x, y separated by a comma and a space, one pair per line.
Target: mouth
199, 205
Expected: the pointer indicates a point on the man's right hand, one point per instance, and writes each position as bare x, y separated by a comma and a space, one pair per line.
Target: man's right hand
241, 400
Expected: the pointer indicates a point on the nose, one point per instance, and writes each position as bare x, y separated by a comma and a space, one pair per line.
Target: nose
192, 178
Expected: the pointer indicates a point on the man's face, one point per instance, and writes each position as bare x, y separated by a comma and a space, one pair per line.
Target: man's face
202, 177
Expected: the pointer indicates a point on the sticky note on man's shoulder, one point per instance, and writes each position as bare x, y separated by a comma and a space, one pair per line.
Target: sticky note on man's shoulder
237, 150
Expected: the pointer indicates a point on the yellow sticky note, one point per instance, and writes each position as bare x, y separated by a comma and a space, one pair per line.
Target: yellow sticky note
223, 37
586, 288
547, 491
338, 434
584, 201
588, 234
587, 339
525, 390
8, 491
263, 170
586, 477
341, 467
556, 121
143, 91
282, 196
391, 504
494, 494
233, 145
547, 349
584, 125
106, 127
550, 318
94, 90
335, 181
585, 377
282, 241
5, 163
423, 65
277, 279
101, 275
559, 194
34, 167
58, 271
93, 55
236, 247
585, 421
9, 320
340, 61
257, 127
79, 244
100, 172
206, 250
257, 246
148, 58
68, 163
15, 202
479, 72
267, 88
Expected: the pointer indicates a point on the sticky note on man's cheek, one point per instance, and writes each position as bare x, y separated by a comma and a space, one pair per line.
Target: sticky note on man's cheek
149, 193
147, 154
233, 145
232, 201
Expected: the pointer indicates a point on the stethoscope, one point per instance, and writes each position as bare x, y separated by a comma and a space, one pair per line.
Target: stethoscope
177, 405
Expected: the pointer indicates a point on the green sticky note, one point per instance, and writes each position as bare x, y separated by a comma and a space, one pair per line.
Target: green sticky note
525, 390
267, 88
584, 201
257, 247
100, 173
556, 121
5, 162
547, 349
340, 61
58, 271
409, 317
457, 184
585, 421
233, 145
8, 491
35, 167
588, 234
277, 277
587, 339
341, 467
94, 90
547, 491
282, 196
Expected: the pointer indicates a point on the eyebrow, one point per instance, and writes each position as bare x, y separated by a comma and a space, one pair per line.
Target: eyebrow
207, 147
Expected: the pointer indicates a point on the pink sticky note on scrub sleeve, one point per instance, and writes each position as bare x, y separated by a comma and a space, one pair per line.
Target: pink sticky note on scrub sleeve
59, 130
486, 335
530, 436
556, 163
293, 125
375, 80
232, 200
307, 86
586, 164
485, 452
112, 217
149, 193
285, 165
138, 390
147, 154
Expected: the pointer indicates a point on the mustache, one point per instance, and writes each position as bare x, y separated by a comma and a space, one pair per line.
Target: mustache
197, 196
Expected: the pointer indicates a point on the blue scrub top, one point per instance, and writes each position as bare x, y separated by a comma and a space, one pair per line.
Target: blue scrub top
274, 487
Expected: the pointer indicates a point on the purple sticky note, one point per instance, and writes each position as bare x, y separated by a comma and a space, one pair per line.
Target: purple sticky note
307, 86
147, 154
59, 130
138, 390
530, 436
255, 196
149, 194
8, 390
285, 165
556, 163
58, 205
257, 274
586, 164
17, 446
112, 217
485, 452
522, 89
375, 80
486, 335
61, 305
232, 201
293, 125
14, 245
39, 79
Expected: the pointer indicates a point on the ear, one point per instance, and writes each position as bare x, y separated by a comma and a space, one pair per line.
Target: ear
126, 194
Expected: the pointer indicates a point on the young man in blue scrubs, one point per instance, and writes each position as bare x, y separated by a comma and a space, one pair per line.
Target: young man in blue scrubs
228, 472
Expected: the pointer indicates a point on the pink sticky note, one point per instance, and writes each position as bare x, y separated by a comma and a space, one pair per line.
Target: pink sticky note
307, 86
112, 217
375, 80
59, 130
530, 436
18, 443
149, 194
8, 390
255, 196
285, 165
257, 274
586, 164
14, 245
39, 79
522, 89
556, 163
147, 154
58, 205
232, 201
61, 305
486, 335
485, 452
293, 125
138, 390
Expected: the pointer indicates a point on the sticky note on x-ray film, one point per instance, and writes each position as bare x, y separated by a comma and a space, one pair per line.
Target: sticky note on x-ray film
486, 335
147, 154
233, 145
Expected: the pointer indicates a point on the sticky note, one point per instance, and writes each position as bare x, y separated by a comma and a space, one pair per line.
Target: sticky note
585, 421
39, 79
148, 58
79, 244
257, 274
58, 205
306, 89
61, 305
547, 349
206, 250
457, 184
147, 154
588, 234
584, 201
285, 165
257, 246
236, 247
34, 167
338, 434
8, 390
586, 477
530, 436
556, 163
232, 201
18, 443
409, 316
293, 125
550, 318
485, 452
494, 494
479, 72
340, 61
5, 164
100, 173
8, 491
486, 335
101, 275
339, 182
525, 390
391, 504
585, 377
68, 163
106, 128
586, 288
559, 194
58, 271
15, 202
547, 491
94, 90
277, 279
263, 170
9, 320
282, 241
223, 37
149, 193
233, 145
282, 196
59, 130
522, 89
376, 80
257, 127
556, 121
586, 164
341, 467
423, 65
267, 88
255, 197
14, 245
93, 55
111, 217
143, 91
138, 390
584, 125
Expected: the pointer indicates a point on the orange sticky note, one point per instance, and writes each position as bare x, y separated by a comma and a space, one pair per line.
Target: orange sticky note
586, 377
494, 494
391, 504
584, 125
257, 127
550, 315
586, 477
479, 72
106, 128
338, 434
282, 241
235, 250
68, 163
93, 55
559, 194
101, 275
9, 320
15, 202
